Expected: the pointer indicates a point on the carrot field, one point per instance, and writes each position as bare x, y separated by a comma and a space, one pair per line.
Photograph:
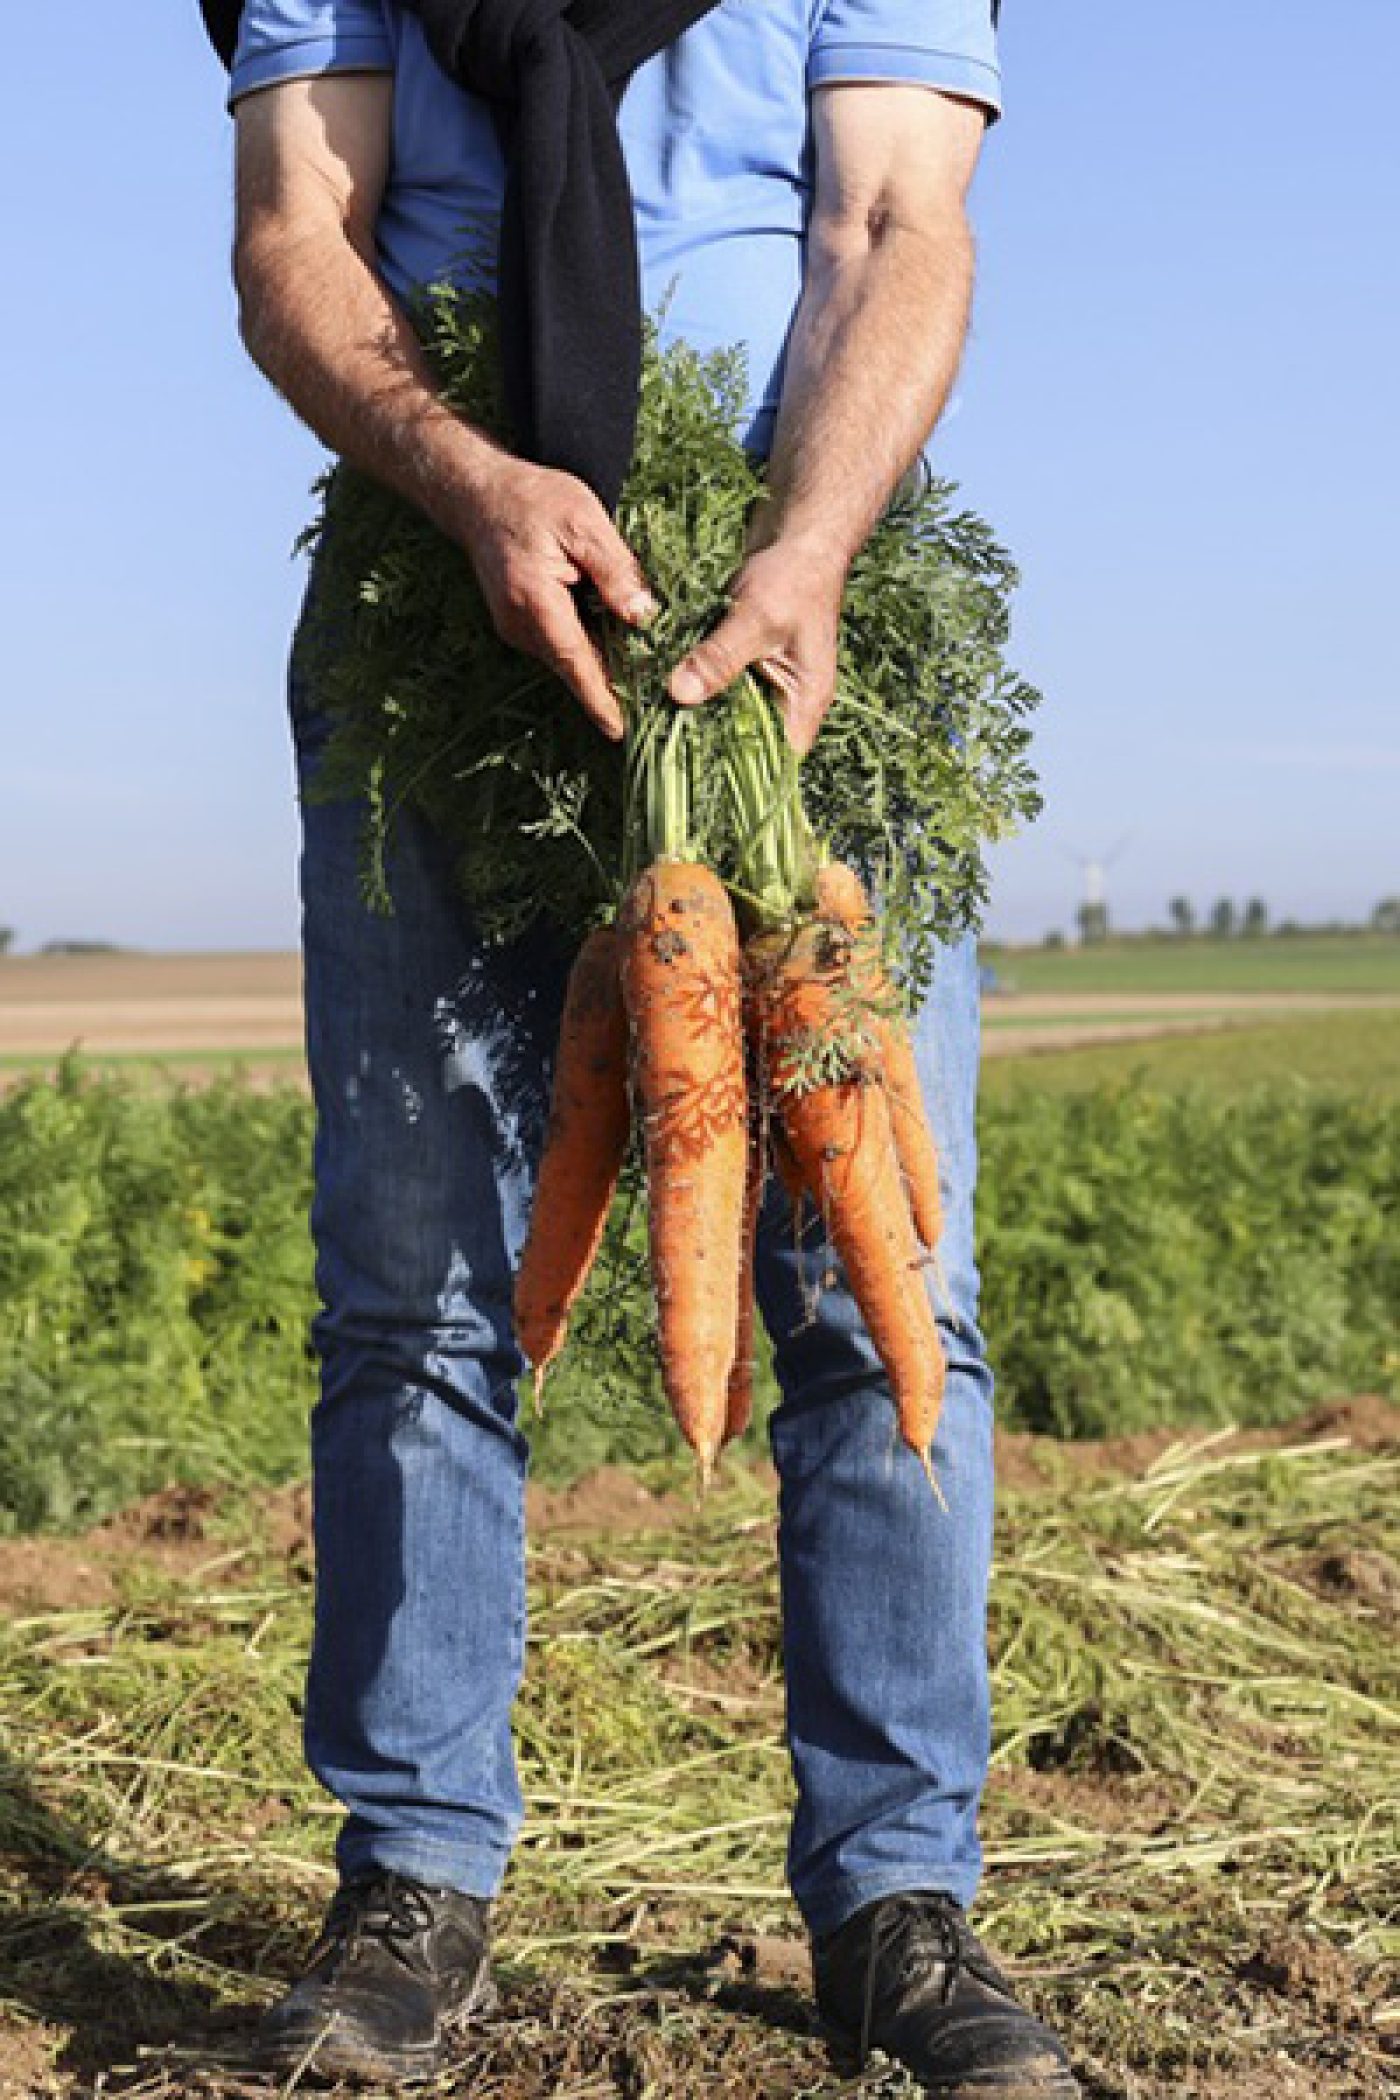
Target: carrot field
1150, 1255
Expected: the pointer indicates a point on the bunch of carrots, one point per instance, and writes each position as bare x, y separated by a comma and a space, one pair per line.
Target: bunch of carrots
740, 1028
730, 1012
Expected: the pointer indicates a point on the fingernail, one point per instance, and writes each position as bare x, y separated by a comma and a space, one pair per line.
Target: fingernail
642, 609
687, 689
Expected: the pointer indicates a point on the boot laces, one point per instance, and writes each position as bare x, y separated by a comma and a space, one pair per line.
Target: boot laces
912, 1939
386, 1909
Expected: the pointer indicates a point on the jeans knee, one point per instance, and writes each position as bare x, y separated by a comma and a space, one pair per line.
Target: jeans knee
404, 1372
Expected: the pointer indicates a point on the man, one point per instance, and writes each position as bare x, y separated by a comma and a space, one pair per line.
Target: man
799, 171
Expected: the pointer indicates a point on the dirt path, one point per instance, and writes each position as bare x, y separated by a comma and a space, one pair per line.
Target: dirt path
1017, 1024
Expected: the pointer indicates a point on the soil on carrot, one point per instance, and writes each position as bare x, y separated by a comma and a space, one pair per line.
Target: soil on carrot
1191, 1824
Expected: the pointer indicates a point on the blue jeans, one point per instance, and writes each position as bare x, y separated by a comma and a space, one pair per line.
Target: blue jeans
430, 1053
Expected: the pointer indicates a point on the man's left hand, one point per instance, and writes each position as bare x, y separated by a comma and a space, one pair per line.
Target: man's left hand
784, 610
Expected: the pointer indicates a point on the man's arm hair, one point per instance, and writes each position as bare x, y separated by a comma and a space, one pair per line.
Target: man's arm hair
874, 350
312, 163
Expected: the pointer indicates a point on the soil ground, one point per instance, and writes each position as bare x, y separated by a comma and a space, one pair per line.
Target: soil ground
169, 1533
1172, 1867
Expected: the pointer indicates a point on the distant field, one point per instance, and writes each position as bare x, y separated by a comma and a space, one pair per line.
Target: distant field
197, 1017
1358, 1051
1350, 963
204, 1008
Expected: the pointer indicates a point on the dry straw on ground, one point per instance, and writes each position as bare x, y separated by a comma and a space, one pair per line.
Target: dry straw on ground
1192, 1827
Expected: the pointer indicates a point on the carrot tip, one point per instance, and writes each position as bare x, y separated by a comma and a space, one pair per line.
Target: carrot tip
537, 1379
926, 1461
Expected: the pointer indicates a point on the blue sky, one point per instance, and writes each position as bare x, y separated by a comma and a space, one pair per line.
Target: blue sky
1179, 409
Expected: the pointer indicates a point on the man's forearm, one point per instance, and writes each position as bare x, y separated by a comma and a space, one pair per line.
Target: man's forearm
875, 349
328, 334
324, 329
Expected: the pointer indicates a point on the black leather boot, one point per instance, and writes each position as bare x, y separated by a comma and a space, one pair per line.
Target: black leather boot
907, 1975
396, 1967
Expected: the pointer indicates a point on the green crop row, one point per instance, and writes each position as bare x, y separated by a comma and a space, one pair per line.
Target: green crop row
1171, 1257
1146, 1257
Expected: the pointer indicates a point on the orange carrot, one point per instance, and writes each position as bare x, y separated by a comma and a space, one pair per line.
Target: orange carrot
680, 980
739, 1405
839, 1128
589, 1120
841, 896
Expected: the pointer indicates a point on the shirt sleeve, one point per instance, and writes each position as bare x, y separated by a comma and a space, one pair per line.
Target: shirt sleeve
948, 44
298, 39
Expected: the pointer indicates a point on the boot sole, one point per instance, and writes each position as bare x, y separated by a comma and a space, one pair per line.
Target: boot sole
333, 2055
1060, 2085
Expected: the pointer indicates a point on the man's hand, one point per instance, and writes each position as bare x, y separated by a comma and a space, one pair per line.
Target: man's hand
532, 534
782, 620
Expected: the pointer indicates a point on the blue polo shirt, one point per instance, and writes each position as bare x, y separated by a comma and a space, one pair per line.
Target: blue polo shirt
716, 132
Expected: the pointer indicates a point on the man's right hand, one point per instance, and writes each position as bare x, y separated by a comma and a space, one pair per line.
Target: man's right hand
532, 535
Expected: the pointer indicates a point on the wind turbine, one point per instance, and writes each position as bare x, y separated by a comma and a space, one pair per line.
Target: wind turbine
1094, 868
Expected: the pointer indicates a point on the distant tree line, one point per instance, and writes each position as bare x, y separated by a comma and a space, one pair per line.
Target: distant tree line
1227, 920
8, 937
1222, 922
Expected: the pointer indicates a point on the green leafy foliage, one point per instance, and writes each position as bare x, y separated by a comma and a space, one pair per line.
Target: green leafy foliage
1145, 1257
1172, 1257
923, 759
154, 1292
